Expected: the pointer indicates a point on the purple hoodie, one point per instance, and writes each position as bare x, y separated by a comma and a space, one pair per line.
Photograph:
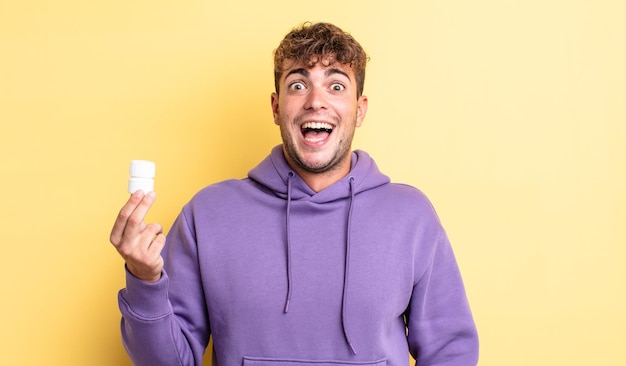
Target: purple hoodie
361, 273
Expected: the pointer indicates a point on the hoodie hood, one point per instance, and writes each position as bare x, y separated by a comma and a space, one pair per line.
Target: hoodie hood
275, 174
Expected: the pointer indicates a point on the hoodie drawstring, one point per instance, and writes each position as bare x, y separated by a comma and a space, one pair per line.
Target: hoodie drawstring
346, 264
288, 243
347, 270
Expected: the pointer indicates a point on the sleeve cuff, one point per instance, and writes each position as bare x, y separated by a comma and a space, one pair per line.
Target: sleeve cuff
147, 300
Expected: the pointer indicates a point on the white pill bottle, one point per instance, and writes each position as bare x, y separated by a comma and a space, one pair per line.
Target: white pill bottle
141, 176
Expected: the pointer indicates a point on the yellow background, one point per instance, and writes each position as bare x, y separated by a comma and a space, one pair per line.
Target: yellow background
509, 115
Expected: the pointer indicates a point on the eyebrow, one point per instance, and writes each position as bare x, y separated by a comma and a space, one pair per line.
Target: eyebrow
329, 72
304, 72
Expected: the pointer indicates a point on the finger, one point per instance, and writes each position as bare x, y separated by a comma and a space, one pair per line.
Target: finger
122, 218
138, 253
150, 232
157, 245
135, 223
147, 263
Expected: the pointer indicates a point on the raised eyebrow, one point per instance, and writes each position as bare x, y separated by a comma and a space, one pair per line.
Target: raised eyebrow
332, 71
302, 71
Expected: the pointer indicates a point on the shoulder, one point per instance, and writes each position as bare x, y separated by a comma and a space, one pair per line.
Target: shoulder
220, 195
404, 201
216, 189
405, 193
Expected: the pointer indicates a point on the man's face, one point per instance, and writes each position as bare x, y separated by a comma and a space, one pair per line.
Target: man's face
317, 110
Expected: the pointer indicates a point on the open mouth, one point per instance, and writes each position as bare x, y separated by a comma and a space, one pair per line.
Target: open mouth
316, 131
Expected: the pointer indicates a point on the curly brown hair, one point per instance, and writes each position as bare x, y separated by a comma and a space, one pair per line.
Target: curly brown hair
321, 42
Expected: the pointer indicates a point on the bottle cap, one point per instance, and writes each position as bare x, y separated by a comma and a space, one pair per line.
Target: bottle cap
142, 168
141, 176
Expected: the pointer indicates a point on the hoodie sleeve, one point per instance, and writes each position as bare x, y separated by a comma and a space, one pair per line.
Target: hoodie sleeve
165, 323
441, 330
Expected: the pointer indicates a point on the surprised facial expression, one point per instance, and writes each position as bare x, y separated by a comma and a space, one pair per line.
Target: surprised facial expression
318, 111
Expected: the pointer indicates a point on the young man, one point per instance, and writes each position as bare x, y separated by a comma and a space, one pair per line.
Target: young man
314, 259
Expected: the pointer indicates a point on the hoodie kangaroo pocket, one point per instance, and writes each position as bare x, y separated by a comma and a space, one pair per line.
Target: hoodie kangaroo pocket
255, 361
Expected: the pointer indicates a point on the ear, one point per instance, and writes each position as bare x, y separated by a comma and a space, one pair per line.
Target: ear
275, 107
361, 110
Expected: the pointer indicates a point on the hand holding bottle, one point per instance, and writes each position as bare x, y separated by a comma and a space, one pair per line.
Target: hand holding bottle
139, 243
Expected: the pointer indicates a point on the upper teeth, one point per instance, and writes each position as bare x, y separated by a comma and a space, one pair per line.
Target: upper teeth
318, 126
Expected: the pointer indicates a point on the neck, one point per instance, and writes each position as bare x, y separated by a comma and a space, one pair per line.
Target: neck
320, 181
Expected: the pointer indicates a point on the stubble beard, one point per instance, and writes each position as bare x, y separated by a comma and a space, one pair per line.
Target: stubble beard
320, 167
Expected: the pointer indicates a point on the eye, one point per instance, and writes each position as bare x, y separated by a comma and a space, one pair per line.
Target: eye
337, 87
296, 86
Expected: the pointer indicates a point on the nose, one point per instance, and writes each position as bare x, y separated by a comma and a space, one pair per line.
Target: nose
315, 99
